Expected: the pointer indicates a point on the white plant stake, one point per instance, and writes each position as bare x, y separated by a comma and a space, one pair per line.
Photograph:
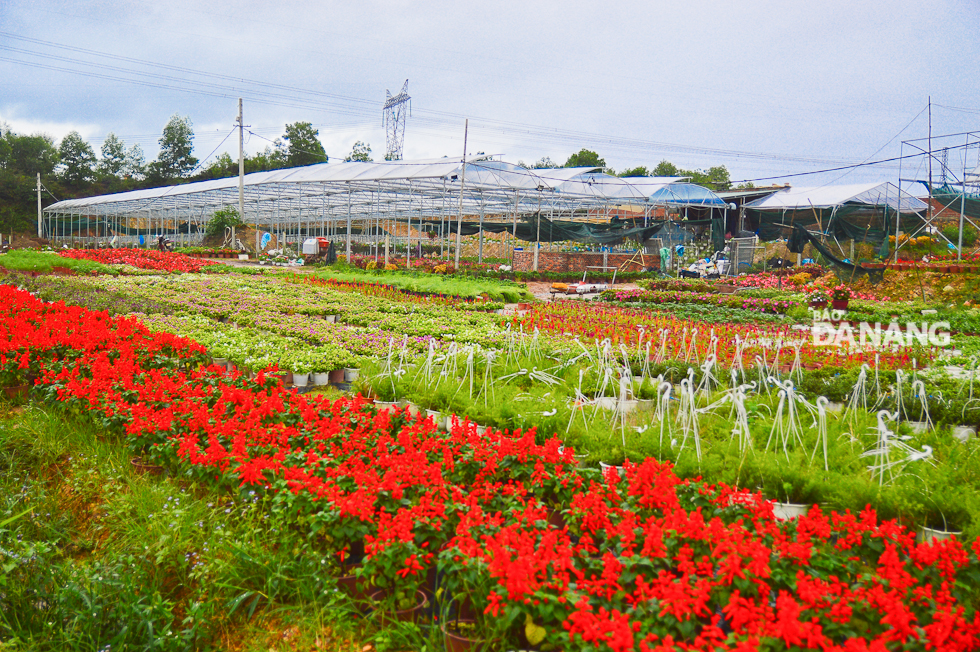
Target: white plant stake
663, 410
886, 441
662, 349
645, 372
688, 415
741, 421
919, 388
578, 405
859, 395
822, 430
692, 349
789, 432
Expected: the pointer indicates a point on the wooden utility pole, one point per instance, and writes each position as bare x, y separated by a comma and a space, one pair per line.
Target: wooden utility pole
40, 228
241, 175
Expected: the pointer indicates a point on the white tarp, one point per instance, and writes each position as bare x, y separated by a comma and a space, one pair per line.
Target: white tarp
870, 194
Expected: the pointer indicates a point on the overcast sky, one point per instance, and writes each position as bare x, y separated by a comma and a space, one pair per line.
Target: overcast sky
764, 88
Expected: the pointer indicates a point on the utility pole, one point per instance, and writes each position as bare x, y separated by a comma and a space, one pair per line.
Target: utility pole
930, 169
40, 229
241, 174
462, 182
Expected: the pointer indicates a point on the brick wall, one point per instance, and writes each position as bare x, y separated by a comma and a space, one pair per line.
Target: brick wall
579, 261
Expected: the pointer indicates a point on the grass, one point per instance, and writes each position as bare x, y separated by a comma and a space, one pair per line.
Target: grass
96, 556
505, 291
27, 260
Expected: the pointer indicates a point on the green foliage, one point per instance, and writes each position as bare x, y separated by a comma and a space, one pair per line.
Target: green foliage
952, 233
360, 152
585, 158
27, 260
714, 178
77, 157
304, 147
113, 156
176, 158
98, 557
222, 219
638, 171
28, 154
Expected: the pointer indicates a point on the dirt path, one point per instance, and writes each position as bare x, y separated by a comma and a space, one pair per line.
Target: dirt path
542, 290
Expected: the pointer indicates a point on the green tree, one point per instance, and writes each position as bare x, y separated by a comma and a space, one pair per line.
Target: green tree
304, 147
545, 163
585, 158
222, 219
135, 166
666, 169
639, 171
360, 152
271, 158
113, 157
31, 154
715, 178
176, 158
77, 157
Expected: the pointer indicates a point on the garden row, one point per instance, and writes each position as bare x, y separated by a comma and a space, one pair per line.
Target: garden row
501, 528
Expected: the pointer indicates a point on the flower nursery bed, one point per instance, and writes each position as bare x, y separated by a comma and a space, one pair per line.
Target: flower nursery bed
501, 525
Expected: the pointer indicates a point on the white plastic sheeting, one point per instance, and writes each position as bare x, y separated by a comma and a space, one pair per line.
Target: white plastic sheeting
869, 194
687, 194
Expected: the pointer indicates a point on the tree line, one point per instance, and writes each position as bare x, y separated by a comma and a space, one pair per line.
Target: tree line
73, 169
715, 178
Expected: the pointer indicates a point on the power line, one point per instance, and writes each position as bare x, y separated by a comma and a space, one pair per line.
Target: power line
843, 167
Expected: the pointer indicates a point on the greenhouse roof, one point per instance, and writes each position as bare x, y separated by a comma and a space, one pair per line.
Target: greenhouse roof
687, 194
869, 194
398, 190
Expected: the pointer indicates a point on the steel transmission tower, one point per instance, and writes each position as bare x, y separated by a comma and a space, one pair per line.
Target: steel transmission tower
396, 109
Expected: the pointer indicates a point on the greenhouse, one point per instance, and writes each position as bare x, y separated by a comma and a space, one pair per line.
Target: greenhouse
368, 202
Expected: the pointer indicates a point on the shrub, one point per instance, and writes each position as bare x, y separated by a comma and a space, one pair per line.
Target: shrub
222, 219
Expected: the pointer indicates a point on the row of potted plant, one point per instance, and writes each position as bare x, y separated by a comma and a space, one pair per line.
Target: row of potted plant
535, 550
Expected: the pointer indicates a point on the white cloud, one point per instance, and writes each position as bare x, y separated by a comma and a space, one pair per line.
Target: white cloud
56, 130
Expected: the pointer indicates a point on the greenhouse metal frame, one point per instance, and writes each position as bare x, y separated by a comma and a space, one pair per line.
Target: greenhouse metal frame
365, 202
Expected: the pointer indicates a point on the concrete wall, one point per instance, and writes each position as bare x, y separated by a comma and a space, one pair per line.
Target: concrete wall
579, 261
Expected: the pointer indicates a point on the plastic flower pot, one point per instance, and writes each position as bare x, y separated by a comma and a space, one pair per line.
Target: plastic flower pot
788, 511
460, 636
404, 615
352, 585
927, 534
140, 467
964, 433
321, 378
350, 374
336, 376
300, 380
16, 392
839, 304
385, 405
646, 404
605, 467
818, 304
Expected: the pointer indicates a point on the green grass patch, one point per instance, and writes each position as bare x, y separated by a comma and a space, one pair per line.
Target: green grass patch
96, 556
27, 260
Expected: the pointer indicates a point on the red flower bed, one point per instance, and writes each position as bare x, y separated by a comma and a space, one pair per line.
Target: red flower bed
142, 258
645, 562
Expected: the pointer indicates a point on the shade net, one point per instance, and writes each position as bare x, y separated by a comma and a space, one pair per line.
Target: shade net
845, 271
858, 223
